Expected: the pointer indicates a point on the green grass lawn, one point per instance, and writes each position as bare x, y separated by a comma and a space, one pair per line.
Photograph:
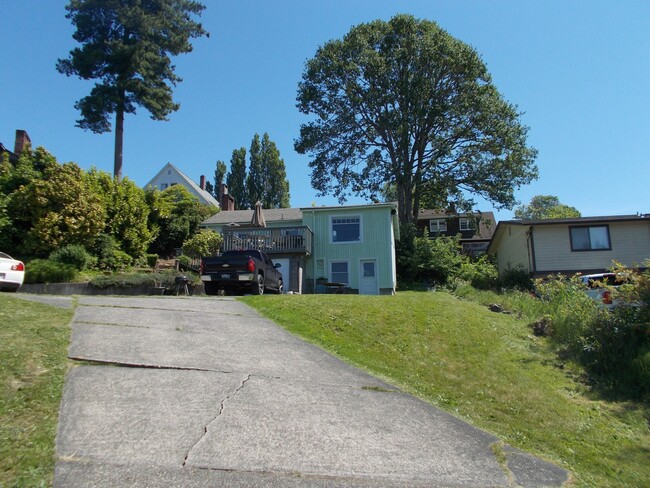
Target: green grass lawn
33, 360
484, 367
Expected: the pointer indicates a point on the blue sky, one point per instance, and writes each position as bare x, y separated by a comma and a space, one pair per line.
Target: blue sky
579, 70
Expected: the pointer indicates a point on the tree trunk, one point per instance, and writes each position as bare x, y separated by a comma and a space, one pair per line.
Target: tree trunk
119, 139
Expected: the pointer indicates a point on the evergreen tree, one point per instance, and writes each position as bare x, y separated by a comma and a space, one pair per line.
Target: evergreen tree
219, 177
275, 192
256, 179
126, 45
236, 178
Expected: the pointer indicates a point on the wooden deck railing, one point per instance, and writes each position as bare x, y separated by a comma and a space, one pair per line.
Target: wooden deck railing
273, 240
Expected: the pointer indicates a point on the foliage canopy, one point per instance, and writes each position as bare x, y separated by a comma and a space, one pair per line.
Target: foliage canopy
403, 102
545, 207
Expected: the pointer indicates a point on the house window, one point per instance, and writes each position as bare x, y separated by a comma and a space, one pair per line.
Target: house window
467, 224
163, 186
339, 272
475, 248
590, 238
437, 225
346, 229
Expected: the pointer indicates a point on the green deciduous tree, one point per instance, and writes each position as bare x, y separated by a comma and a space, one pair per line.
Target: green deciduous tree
179, 218
545, 207
127, 212
204, 243
404, 102
57, 210
236, 179
126, 46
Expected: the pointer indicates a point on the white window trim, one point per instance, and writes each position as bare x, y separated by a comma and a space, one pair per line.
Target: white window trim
336, 261
469, 224
438, 229
352, 216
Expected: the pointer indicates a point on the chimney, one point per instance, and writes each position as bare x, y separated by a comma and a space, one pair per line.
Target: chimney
22, 141
227, 201
202, 183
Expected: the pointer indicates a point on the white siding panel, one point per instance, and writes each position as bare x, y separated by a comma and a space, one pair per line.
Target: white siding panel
512, 252
630, 245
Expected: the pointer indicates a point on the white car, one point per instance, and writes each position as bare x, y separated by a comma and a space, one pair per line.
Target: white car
597, 287
12, 273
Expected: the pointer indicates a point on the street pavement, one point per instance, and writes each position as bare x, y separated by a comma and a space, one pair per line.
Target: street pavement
195, 392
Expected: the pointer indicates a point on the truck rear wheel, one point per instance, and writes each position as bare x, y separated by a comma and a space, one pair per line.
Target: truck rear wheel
210, 288
258, 286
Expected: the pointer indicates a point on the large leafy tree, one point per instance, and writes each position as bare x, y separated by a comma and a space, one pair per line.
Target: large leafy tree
403, 102
127, 212
57, 210
126, 46
545, 207
179, 217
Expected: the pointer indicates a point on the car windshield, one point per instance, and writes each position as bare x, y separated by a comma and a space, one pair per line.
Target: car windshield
5, 256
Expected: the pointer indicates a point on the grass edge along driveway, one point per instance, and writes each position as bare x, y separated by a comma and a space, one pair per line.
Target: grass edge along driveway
487, 368
34, 342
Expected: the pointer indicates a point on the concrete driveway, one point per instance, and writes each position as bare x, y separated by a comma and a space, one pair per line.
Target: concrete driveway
198, 392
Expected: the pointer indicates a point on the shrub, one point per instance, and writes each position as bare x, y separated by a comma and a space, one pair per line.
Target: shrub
203, 243
437, 260
640, 369
134, 280
572, 311
104, 248
184, 260
121, 260
517, 279
151, 260
47, 271
481, 273
617, 344
73, 254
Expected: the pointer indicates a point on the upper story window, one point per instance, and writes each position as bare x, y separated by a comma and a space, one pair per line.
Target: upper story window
590, 238
163, 186
346, 229
467, 224
437, 226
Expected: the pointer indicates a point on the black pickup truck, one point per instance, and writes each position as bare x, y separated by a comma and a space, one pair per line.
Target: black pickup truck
240, 271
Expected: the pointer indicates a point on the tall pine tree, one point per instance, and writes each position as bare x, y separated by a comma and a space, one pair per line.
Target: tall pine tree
126, 45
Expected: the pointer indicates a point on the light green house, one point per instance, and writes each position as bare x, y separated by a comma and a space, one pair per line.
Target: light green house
344, 248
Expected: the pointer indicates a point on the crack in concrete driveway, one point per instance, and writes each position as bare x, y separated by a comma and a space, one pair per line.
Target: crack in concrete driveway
237, 401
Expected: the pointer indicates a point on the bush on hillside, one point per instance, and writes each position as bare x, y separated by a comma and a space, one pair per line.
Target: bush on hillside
517, 279
73, 254
134, 280
480, 273
47, 271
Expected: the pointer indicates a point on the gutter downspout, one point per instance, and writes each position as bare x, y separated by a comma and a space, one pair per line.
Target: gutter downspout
531, 250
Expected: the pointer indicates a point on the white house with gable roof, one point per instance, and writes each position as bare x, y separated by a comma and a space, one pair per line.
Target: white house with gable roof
170, 175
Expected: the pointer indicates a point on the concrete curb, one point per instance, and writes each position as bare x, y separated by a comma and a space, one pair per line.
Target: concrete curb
87, 289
